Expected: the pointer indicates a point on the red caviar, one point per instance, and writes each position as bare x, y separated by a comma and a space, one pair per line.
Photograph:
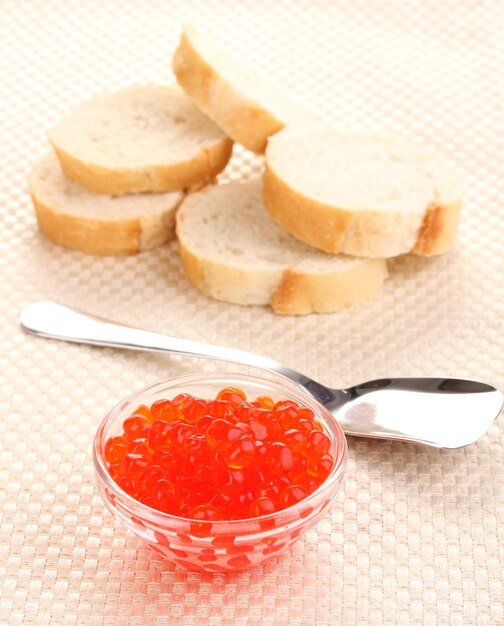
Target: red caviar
220, 459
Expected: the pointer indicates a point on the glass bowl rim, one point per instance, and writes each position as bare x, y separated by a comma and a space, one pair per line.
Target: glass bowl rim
336, 472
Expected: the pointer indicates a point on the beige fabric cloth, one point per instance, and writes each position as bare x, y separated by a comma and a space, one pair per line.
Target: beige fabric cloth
417, 536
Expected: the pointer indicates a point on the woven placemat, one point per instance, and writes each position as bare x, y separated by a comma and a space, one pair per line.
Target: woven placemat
417, 536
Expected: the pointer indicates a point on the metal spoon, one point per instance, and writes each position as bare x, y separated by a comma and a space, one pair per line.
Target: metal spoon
439, 412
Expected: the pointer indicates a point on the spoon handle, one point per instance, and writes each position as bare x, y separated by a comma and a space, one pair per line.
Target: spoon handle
55, 321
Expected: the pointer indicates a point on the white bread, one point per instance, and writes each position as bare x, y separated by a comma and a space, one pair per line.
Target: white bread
368, 195
75, 218
233, 251
239, 100
141, 139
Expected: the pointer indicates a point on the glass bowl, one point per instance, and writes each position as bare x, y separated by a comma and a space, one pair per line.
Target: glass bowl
218, 546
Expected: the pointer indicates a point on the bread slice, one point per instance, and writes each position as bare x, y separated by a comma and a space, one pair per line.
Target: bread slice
233, 251
362, 194
240, 101
73, 217
140, 139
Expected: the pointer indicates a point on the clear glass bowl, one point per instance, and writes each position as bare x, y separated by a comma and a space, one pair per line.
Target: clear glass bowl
218, 546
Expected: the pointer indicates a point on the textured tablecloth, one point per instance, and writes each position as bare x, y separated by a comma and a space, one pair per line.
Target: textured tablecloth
417, 536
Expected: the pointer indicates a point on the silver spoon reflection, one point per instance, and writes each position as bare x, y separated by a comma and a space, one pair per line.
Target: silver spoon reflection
439, 412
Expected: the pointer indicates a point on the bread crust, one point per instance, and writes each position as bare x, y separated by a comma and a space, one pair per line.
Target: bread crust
193, 268
439, 229
300, 294
200, 170
88, 235
244, 120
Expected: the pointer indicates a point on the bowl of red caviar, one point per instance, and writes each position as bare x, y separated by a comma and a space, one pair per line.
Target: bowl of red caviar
219, 472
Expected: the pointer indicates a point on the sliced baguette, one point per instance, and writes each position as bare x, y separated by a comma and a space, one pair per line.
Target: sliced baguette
233, 251
141, 139
239, 100
75, 218
367, 195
